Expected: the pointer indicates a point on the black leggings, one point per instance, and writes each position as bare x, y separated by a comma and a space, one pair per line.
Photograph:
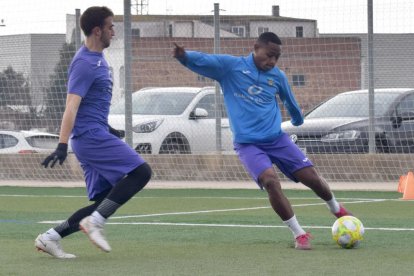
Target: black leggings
75, 218
120, 193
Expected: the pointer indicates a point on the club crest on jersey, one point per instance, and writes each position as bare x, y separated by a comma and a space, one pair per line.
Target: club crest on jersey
270, 82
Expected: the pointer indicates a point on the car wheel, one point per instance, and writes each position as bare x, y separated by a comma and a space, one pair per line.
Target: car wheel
175, 143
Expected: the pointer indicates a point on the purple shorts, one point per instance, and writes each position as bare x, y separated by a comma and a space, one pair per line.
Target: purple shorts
104, 158
285, 154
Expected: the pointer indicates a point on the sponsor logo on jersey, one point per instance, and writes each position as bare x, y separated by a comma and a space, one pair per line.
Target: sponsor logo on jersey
254, 90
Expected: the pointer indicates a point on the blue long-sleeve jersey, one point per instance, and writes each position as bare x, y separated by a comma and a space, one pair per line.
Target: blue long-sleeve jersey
249, 94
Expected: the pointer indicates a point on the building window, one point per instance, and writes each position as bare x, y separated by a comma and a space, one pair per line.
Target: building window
170, 30
238, 30
262, 30
299, 31
298, 80
136, 32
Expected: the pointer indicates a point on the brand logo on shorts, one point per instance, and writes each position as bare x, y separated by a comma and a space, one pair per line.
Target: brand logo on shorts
294, 138
305, 160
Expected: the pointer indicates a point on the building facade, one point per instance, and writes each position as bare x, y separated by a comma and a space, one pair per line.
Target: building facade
33, 55
195, 28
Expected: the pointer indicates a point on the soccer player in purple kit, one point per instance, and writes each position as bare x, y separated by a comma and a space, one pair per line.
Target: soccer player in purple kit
250, 85
113, 171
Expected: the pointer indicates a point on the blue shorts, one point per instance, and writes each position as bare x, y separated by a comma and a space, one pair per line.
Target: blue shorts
285, 154
104, 158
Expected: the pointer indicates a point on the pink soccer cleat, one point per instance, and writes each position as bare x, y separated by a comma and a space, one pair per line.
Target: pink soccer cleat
302, 242
342, 212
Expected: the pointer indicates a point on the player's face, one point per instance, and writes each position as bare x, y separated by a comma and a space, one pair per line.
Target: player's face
266, 55
107, 32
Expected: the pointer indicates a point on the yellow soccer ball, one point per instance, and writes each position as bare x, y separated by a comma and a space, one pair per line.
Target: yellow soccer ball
348, 232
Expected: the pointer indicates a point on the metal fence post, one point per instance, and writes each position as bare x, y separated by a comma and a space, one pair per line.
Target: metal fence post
218, 102
77, 29
371, 85
127, 66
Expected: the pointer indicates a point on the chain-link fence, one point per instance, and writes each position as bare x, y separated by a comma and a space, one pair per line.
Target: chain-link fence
177, 119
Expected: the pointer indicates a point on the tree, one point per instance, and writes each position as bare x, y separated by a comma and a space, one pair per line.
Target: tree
56, 93
14, 88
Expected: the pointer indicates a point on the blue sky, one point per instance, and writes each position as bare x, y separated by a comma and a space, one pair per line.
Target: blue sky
334, 16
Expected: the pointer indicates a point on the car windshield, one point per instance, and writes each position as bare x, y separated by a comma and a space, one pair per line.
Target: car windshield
159, 103
353, 105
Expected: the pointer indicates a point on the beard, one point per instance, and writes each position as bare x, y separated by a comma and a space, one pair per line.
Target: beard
105, 42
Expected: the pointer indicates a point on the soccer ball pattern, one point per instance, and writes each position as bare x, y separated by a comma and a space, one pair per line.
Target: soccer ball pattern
347, 232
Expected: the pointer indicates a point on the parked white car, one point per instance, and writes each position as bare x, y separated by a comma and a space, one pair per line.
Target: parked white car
174, 120
27, 142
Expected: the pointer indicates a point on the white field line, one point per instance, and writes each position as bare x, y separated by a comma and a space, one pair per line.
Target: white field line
232, 210
247, 225
217, 211
235, 225
232, 225
57, 196
197, 197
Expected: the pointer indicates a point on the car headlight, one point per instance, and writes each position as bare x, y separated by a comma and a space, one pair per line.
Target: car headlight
348, 135
147, 126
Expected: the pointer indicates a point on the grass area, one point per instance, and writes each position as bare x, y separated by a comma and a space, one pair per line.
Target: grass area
206, 232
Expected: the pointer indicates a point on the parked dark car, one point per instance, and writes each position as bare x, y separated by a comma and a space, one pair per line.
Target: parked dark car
340, 124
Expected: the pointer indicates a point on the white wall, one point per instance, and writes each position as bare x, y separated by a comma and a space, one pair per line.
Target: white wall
284, 29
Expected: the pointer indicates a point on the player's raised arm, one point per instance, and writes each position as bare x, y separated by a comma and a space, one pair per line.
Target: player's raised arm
179, 51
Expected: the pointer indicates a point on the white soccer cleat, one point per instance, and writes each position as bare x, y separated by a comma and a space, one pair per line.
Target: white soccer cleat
52, 248
95, 233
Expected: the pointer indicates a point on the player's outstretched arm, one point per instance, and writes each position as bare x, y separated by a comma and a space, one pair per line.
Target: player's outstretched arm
179, 51
68, 121
209, 65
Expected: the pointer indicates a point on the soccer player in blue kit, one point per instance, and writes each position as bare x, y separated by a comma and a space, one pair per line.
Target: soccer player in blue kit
250, 85
113, 171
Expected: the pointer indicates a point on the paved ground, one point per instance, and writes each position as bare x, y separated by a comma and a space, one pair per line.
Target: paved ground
369, 186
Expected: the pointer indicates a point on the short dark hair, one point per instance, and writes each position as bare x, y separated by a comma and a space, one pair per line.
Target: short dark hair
94, 17
267, 37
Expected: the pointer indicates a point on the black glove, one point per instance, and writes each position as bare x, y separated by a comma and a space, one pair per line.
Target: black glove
118, 133
60, 154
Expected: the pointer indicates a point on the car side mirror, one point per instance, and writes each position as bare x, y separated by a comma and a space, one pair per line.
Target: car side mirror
198, 113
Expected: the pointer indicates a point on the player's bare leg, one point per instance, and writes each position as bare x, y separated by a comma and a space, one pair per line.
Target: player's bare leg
281, 205
310, 178
270, 182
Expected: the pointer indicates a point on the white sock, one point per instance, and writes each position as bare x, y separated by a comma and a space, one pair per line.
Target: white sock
333, 205
97, 218
51, 235
294, 226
